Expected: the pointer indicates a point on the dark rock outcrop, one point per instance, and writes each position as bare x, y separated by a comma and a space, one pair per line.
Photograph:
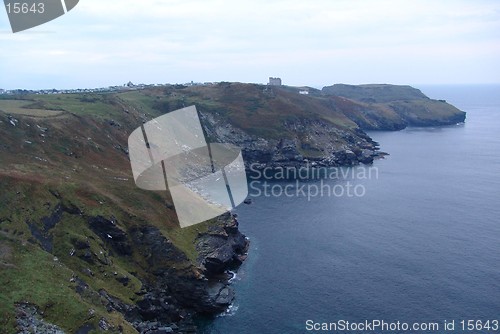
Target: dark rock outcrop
313, 140
109, 232
222, 247
29, 320
186, 286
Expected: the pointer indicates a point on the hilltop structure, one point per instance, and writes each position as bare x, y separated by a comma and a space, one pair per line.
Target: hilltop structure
274, 81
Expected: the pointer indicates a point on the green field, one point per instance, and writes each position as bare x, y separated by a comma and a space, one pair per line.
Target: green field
26, 108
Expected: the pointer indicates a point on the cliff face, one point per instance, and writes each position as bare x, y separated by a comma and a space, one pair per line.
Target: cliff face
82, 248
317, 142
112, 273
278, 126
274, 126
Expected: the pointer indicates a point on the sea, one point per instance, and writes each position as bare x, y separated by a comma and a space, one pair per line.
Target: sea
416, 242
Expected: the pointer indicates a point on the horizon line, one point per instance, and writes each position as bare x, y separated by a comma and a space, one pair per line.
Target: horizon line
193, 83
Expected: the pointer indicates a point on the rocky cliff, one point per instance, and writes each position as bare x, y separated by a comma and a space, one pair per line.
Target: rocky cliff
65, 264
82, 248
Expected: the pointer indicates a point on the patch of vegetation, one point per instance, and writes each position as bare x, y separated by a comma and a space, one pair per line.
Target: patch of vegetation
375, 93
98, 105
73, 231
32, 275
184, 238
38, 278
27, 108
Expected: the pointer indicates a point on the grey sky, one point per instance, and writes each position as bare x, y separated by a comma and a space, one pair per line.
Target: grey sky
315, 43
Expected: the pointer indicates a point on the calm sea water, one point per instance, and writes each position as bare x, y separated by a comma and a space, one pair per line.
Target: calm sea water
422, 245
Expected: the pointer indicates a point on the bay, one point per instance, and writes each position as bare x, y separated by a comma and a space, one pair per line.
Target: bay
421, 245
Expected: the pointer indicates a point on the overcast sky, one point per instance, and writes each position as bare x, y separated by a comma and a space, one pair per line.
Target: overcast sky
307, 42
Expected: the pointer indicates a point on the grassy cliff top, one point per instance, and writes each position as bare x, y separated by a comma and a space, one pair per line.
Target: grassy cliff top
379, 93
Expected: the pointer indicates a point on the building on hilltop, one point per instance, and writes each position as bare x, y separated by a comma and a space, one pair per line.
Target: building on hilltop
274, 81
